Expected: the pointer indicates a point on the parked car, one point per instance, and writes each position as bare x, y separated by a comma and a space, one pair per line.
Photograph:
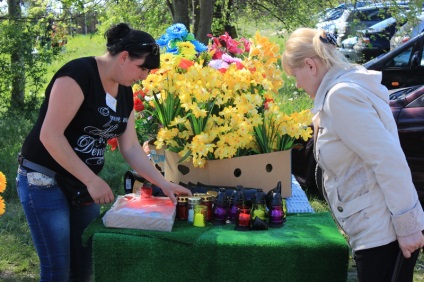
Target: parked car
369, 43
331, 17
407, 105
403, 66
362, 18
407, 31
346, 49
375, 40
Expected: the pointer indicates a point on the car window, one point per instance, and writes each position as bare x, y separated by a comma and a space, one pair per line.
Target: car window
401, 60
419, 102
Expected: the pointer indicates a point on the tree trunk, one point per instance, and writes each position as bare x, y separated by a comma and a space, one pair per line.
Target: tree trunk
205, 20
196, 15
181, 12
231, 29
16, 59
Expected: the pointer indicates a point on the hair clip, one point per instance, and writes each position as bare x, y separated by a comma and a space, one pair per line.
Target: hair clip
329, 38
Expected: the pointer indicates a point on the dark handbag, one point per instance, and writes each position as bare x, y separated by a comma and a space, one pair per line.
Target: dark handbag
75, 191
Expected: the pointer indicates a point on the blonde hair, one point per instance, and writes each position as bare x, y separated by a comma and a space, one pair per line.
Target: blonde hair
306, 43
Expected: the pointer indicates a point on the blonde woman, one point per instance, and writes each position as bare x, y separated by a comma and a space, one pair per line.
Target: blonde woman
367, 181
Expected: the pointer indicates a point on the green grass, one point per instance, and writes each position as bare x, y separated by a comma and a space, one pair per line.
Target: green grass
79, 46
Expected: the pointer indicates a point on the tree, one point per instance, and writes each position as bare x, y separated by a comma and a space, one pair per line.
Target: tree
180, 11
205, 20
25, 48
16, 57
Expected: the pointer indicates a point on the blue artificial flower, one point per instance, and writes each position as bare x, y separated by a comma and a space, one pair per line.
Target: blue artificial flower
163, 40
199, 47
172, 49
177, 31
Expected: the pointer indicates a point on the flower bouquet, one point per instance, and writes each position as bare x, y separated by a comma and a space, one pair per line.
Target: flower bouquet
221, 101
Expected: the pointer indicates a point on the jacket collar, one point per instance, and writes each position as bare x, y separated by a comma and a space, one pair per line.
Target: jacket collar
328, 81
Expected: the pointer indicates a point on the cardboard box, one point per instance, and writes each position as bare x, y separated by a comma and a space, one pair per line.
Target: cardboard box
134, 211
256, 171
157, 156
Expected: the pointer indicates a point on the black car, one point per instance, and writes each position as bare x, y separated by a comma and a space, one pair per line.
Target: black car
403, 66
407, 106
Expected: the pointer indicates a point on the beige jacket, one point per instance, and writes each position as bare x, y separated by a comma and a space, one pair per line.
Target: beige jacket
367, 180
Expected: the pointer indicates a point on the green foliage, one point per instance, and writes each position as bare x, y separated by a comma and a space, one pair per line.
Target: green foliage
22, 40
149, 15
147, 127
277, 15
14, 128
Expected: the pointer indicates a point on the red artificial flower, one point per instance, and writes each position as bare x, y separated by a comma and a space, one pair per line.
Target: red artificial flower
217, 55
139, 92
222, 70
268, 100
239, 65
246, 44
138, 104
113, 143
185, 64
231, 44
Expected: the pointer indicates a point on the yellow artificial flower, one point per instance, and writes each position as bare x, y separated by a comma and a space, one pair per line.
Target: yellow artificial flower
136, 87
187, 50
3, 182
2, 206
216, 113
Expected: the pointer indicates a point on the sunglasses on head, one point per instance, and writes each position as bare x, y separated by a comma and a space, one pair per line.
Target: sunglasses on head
154, 48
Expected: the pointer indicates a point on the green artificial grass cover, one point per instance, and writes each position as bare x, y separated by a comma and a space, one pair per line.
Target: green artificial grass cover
309, 247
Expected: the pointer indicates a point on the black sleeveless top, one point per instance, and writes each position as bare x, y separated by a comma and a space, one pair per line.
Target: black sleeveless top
94, 123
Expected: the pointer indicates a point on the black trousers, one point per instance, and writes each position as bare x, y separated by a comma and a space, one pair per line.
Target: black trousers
378, 264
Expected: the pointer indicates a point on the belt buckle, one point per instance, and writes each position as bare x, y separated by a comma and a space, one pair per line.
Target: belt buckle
20, 158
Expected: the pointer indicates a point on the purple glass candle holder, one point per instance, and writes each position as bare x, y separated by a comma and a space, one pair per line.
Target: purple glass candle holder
220, 215
276, 216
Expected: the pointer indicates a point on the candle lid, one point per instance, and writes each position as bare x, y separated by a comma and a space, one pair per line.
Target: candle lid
199, 194
182, 199
212, 193
194, 200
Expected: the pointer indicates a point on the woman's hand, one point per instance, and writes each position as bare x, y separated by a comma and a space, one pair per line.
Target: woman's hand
411, 243
170, 189
100, 191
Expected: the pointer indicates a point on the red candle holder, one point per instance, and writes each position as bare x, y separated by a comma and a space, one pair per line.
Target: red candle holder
243, 219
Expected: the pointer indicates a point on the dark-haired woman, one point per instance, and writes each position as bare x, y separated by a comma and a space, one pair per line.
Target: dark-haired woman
88, 101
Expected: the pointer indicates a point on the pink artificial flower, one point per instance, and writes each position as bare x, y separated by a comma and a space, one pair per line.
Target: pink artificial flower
227, 58
218, 64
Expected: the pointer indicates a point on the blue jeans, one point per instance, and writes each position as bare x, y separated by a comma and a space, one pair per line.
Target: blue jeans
56, 228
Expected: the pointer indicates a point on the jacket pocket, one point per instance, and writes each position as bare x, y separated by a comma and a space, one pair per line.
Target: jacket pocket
352, 215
